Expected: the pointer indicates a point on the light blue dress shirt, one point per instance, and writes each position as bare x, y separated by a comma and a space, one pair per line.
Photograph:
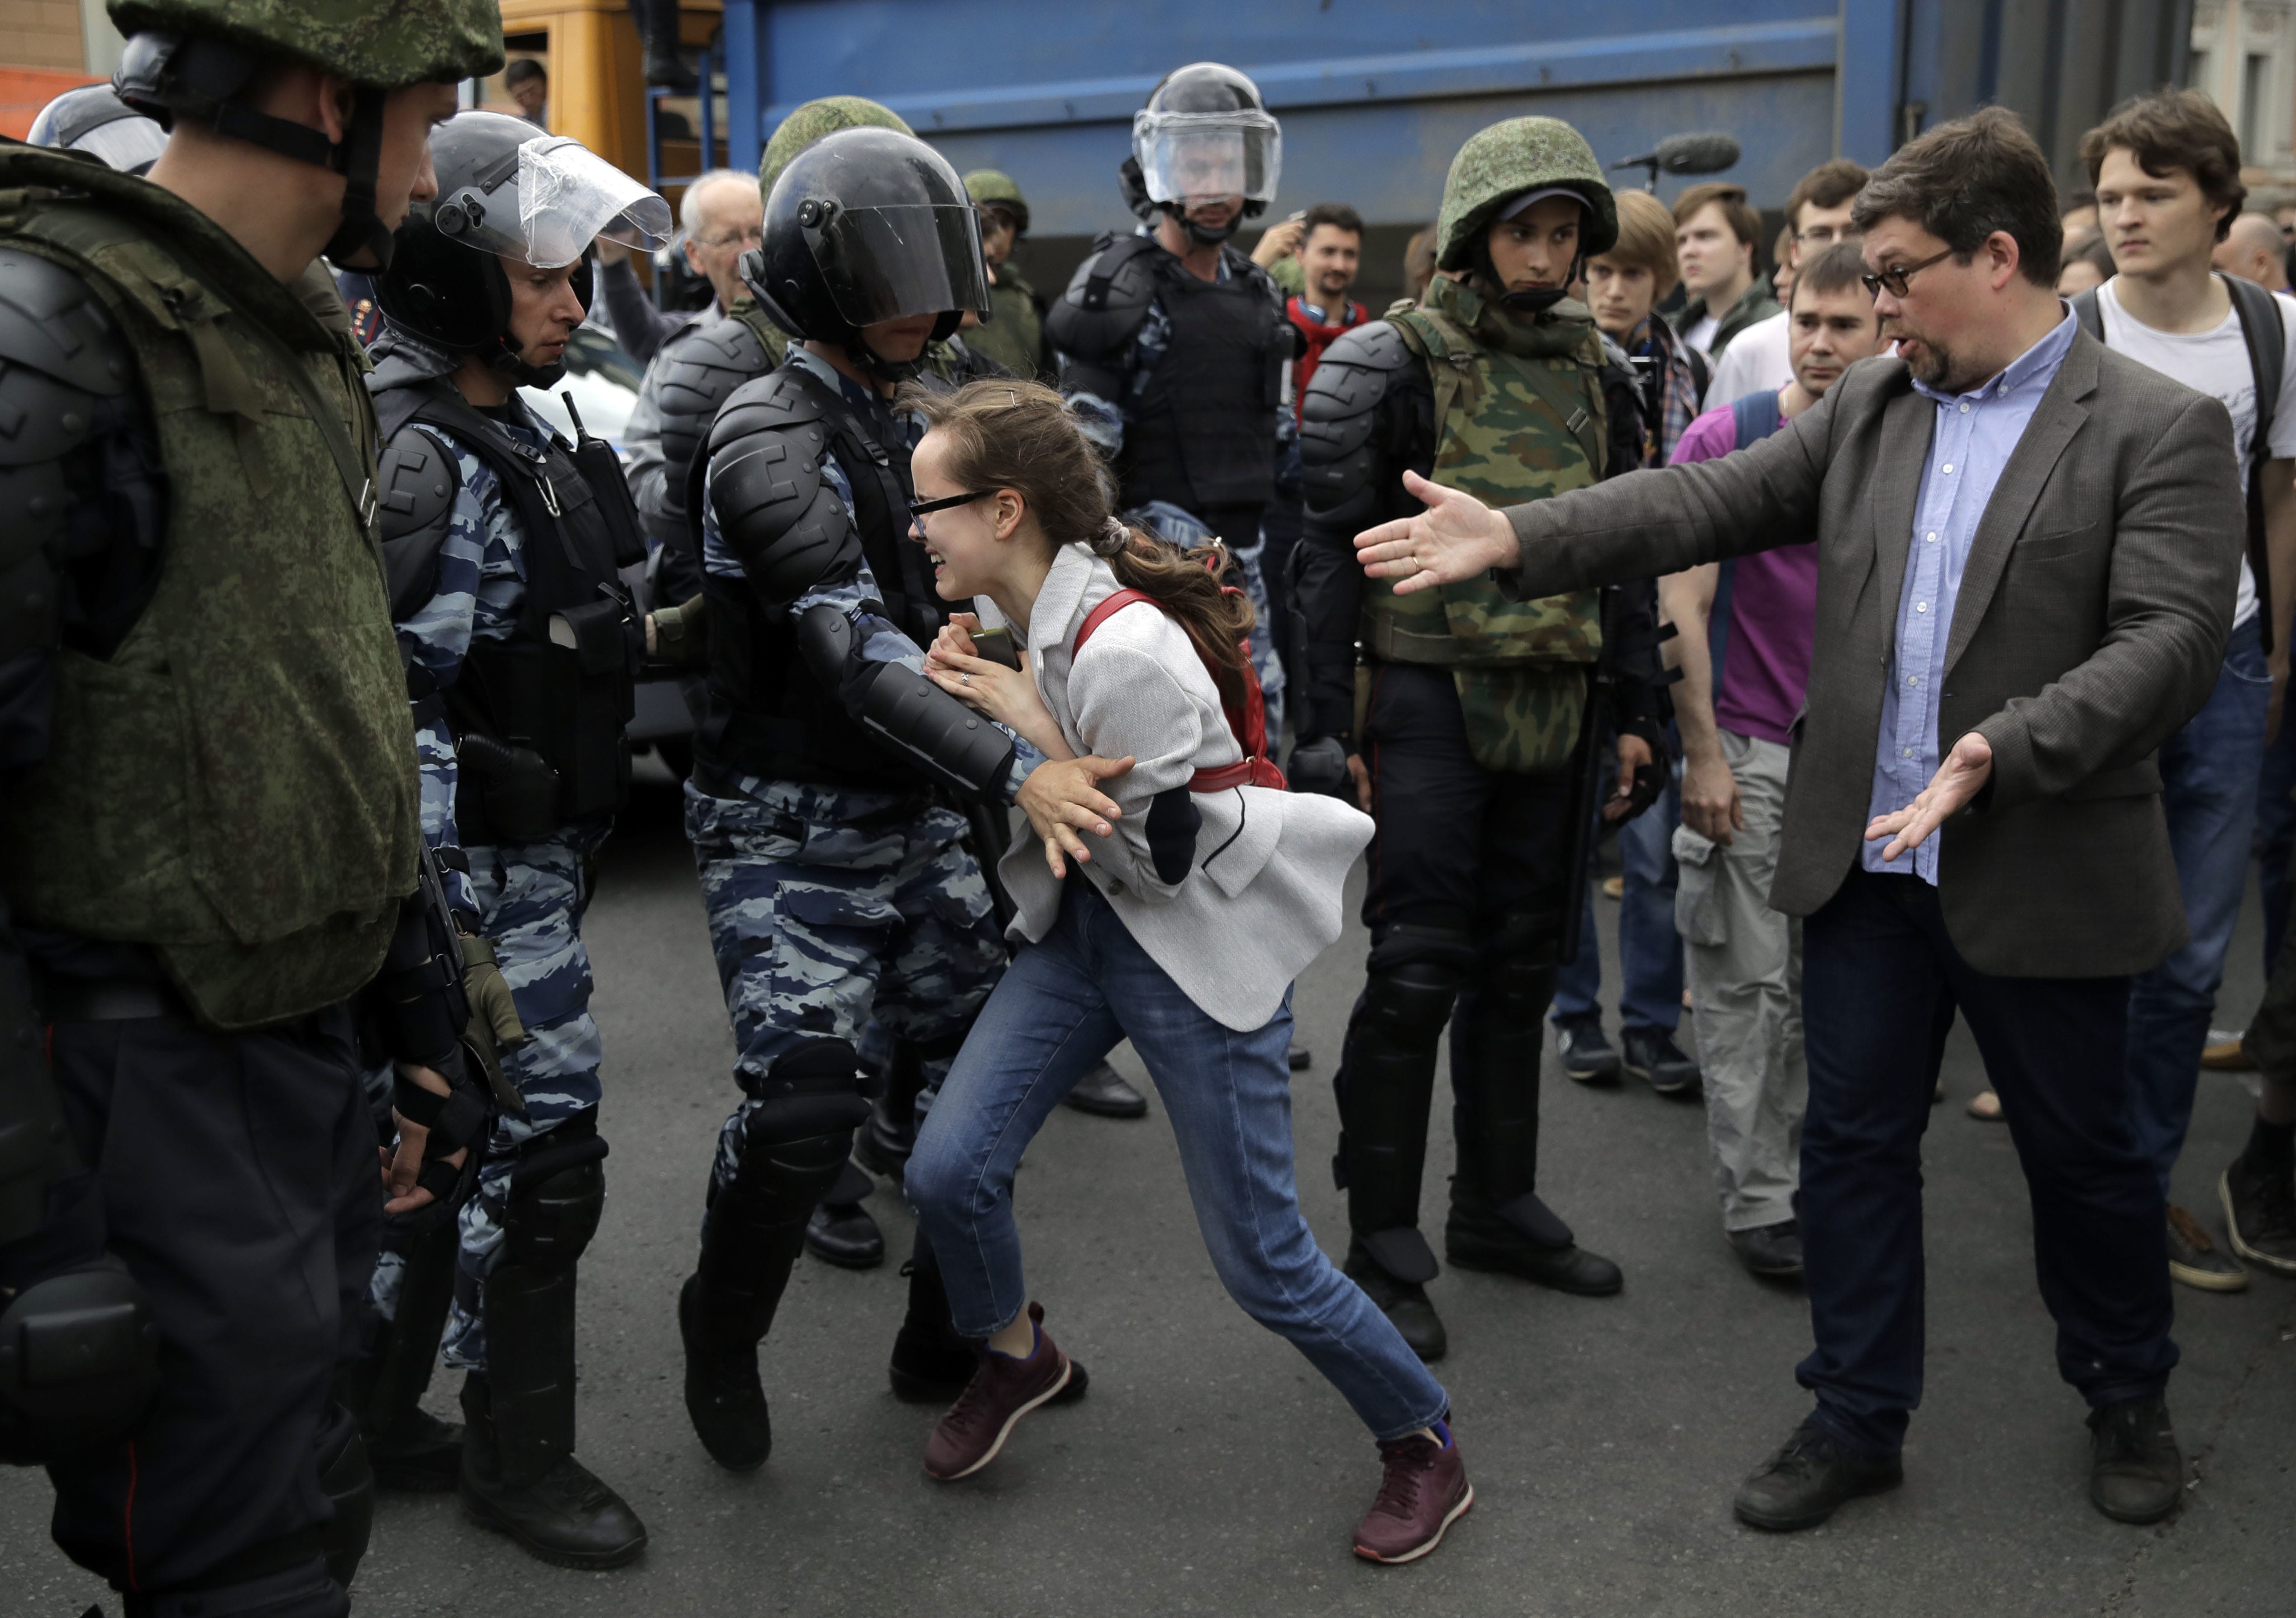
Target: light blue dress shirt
1976, 433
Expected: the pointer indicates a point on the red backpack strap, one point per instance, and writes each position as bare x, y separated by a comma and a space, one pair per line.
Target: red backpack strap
1106, 610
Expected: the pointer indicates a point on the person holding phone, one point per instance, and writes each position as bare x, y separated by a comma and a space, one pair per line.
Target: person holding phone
1181, 930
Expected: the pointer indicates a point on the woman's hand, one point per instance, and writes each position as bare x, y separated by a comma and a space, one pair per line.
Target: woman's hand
1007, 695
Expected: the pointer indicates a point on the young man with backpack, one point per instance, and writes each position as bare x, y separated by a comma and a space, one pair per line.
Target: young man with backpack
1743, 631
2167, 172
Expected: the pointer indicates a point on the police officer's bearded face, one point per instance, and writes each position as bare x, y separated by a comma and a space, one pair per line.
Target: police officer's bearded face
543, 311
899, 341
1207, 172
1533, 251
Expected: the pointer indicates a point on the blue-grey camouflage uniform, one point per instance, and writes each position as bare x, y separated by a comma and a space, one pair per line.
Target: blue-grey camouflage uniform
831, 908
1103, 422
528, 898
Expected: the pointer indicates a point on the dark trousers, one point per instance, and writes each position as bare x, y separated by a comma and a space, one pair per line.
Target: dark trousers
238, 1179
1877, 962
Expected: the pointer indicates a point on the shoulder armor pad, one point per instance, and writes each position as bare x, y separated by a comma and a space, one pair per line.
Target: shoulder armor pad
774, 511
60, 353
695, 373
419, 481
1107, 298
1355, 375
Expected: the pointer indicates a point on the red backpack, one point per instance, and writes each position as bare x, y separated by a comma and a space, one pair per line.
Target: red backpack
1247, 722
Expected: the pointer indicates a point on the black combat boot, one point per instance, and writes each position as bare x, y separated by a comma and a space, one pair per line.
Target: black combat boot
1385, 1084
841, 1231
794, 1146
883, 1143
932, 1363
520, 1476
407, 1447
1497, 1222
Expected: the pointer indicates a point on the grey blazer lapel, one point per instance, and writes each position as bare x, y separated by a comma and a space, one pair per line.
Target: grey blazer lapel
2055, 421
1907, 421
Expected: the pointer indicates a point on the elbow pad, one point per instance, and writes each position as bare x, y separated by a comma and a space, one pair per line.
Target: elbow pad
904, 711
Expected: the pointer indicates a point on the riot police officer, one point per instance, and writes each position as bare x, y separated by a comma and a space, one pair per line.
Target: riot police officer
1467, 723
824, 806
1173, 344
211, 800
503, 543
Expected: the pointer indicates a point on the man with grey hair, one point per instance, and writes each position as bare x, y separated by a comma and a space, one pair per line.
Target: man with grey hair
2254, 250
720, 217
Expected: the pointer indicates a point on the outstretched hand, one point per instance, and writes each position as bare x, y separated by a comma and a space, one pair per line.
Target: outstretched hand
1959, 778
1062, 798
1455, 538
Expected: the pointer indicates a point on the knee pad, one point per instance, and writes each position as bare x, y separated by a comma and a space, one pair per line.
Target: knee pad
557, 1195
813, 1093
347, 1482
1409, 1003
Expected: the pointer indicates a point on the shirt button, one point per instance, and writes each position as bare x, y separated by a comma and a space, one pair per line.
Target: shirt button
1964, 409
1948, 466
1921, 606
1930, 538
1909, 752
1912, 679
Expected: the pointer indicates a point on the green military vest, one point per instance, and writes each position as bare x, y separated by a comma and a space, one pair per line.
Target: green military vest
1511, 427
1015, 338
236, 787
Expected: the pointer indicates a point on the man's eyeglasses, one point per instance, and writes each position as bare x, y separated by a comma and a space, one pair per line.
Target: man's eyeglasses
922, 508
1897, 279
1821, 235
755, 236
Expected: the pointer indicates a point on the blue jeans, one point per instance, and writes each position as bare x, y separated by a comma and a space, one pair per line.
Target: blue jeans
1650, 950
2208, 772
1063, 1006
1880, 978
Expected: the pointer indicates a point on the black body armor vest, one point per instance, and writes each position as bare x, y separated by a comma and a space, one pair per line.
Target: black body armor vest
561, 686
765, 714
1203, 433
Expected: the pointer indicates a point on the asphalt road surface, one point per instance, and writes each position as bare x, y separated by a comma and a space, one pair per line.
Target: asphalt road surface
1211, 1471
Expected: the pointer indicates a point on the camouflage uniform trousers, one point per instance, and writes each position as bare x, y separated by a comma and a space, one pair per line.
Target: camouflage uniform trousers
531, 899
831, 909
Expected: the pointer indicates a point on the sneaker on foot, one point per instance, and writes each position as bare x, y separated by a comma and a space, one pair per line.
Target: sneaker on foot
2195, 1260
972, 1431
1586, 1056
2136, 1473
1653, 1057
1423, 1491
2260, 1209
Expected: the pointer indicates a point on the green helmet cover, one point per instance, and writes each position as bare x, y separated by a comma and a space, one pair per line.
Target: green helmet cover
384, 44
808, 123
985, 185
1508, 158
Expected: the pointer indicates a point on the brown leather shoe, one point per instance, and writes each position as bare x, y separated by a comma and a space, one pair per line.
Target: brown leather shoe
971, 1432
1425, 1491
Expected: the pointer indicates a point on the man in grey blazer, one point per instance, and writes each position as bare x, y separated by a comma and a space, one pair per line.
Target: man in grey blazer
2027, 552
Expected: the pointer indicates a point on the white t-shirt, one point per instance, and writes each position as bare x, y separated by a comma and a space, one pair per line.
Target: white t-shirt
2215, 362
1755, 362
1701, 335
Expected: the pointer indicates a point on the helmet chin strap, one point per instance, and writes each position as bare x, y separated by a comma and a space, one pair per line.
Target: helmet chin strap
359, 158
877, 366
1202, 235
1531, 300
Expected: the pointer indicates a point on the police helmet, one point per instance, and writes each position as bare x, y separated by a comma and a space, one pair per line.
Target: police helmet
1206, 133
198, 58
865, 225
505, 190
93, 119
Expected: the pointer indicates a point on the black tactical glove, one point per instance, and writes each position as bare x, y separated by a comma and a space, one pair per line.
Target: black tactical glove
1321, 766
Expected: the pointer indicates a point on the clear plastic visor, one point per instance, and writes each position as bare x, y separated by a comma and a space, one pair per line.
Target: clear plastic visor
563, 198
1188, 157
884, 264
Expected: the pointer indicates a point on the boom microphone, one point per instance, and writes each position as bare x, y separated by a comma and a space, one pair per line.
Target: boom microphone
1685, 154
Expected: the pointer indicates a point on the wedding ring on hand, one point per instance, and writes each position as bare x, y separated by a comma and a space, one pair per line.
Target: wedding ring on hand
964, 679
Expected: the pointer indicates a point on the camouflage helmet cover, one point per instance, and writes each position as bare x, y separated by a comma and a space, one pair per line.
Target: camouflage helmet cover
386, 44
1506, 160
992, 185
810, 122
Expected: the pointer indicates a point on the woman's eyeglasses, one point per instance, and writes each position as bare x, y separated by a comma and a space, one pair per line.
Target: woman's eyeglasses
1896, 279
923, 508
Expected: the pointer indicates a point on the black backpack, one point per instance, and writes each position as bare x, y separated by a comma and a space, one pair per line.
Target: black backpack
2261, 323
